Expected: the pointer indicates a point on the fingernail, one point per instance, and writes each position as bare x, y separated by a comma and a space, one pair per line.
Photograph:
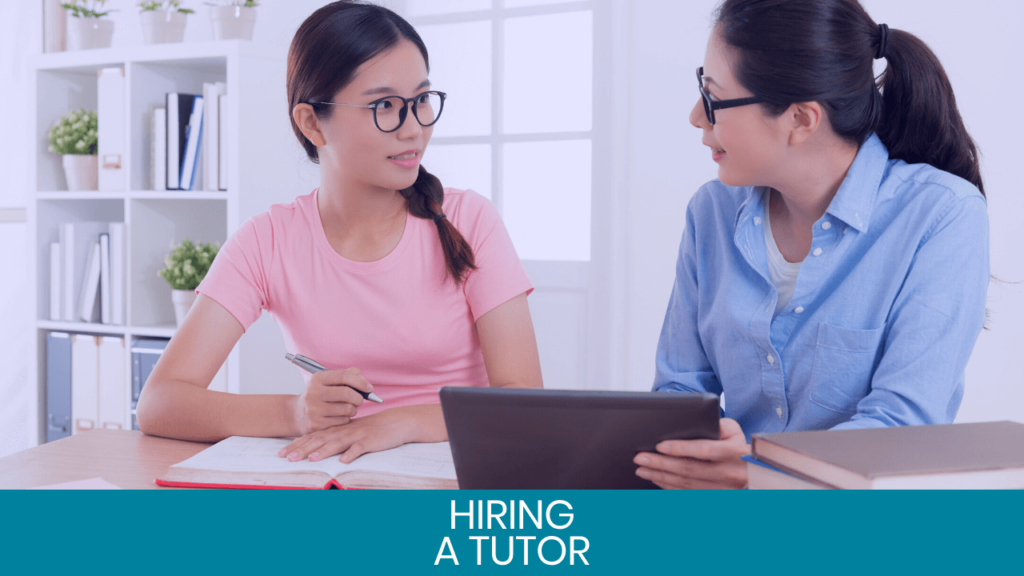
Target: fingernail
282, 452
642, 460
293, 456
643, 473
313, 457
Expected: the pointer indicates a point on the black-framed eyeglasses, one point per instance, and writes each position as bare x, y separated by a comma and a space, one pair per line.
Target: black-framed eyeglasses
389, 112
711, 105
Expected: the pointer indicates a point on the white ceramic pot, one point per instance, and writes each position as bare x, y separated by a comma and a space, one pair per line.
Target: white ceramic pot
162, 26
183, 300
88, 33
232, 22
81, 171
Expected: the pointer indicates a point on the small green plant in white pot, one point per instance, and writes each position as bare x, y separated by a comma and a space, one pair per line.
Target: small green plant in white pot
233, 19
87, 28
184, 268
163, 22
74, 137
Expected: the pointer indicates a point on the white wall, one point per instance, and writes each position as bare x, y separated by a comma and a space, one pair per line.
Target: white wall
977, 42
20, 36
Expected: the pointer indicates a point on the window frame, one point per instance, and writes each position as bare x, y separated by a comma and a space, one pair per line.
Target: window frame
498, 138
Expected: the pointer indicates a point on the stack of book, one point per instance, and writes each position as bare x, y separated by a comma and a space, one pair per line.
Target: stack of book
188, 150
941, 456
87, 273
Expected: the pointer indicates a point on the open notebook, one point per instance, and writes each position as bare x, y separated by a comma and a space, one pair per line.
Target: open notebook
240, 462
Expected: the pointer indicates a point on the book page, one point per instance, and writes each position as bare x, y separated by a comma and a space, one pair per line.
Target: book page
241, 454
425, 460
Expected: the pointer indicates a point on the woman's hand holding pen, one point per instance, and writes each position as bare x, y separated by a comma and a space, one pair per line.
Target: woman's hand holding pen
330, 399
698, 464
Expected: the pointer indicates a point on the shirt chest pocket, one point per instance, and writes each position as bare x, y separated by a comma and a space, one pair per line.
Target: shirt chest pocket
844, 360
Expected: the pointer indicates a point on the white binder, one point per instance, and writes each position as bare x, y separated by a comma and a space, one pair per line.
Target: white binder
159, 149
55, 282
211, 134
105, 278
110, 104
222, 138
117, 231
113, 386
87, 308
84, 383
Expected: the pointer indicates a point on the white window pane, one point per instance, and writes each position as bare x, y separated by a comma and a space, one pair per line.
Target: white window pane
546, 199
548, 73
430, 7
464, 166
460, 65
520, 3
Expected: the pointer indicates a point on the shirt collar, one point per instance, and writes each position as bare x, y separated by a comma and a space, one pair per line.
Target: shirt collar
855, 199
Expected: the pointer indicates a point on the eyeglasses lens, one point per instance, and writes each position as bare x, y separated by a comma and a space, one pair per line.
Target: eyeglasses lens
391, 112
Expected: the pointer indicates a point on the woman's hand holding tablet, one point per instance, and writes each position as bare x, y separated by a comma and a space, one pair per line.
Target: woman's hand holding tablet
698, 464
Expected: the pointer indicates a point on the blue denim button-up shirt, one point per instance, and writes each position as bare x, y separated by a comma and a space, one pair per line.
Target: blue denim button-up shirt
886, 310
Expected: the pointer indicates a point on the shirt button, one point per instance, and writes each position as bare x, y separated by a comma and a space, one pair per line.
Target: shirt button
826, 225
799, 310
778, 410
771, 359
757, 221
817, 251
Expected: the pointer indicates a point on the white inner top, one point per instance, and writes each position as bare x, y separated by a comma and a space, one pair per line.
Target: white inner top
782, 272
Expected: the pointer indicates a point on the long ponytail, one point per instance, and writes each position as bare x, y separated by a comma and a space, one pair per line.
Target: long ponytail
823, 51
920, 120
426, 197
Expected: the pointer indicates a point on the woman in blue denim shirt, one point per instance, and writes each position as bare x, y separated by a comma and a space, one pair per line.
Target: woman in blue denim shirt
835, 275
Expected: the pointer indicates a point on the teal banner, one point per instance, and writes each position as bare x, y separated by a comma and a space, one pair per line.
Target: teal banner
507, 532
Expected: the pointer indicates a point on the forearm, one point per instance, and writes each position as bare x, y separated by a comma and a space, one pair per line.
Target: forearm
425, 423
175, 409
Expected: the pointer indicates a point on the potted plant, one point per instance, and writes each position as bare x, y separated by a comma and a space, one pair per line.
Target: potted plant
233, 19
74, 137
185, 268
86, 27
163, 22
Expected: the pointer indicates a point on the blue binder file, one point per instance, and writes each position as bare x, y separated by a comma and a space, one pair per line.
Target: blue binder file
58, 385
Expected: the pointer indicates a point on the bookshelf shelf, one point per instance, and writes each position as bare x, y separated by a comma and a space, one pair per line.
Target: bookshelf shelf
261, 157
160, 331
81, 327
133, 195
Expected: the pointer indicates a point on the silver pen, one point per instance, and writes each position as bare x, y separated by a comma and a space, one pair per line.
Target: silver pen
312, 366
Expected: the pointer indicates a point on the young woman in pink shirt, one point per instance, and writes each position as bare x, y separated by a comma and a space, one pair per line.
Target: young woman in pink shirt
395, 285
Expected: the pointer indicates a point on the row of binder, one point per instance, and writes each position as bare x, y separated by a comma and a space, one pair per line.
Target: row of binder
87, 273
85, 384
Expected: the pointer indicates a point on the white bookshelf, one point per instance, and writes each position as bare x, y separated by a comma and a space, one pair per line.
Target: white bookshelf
261, 171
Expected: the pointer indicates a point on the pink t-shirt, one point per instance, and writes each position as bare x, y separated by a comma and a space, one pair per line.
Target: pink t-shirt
407, 327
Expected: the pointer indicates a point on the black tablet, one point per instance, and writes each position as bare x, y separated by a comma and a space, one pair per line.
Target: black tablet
560, 439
